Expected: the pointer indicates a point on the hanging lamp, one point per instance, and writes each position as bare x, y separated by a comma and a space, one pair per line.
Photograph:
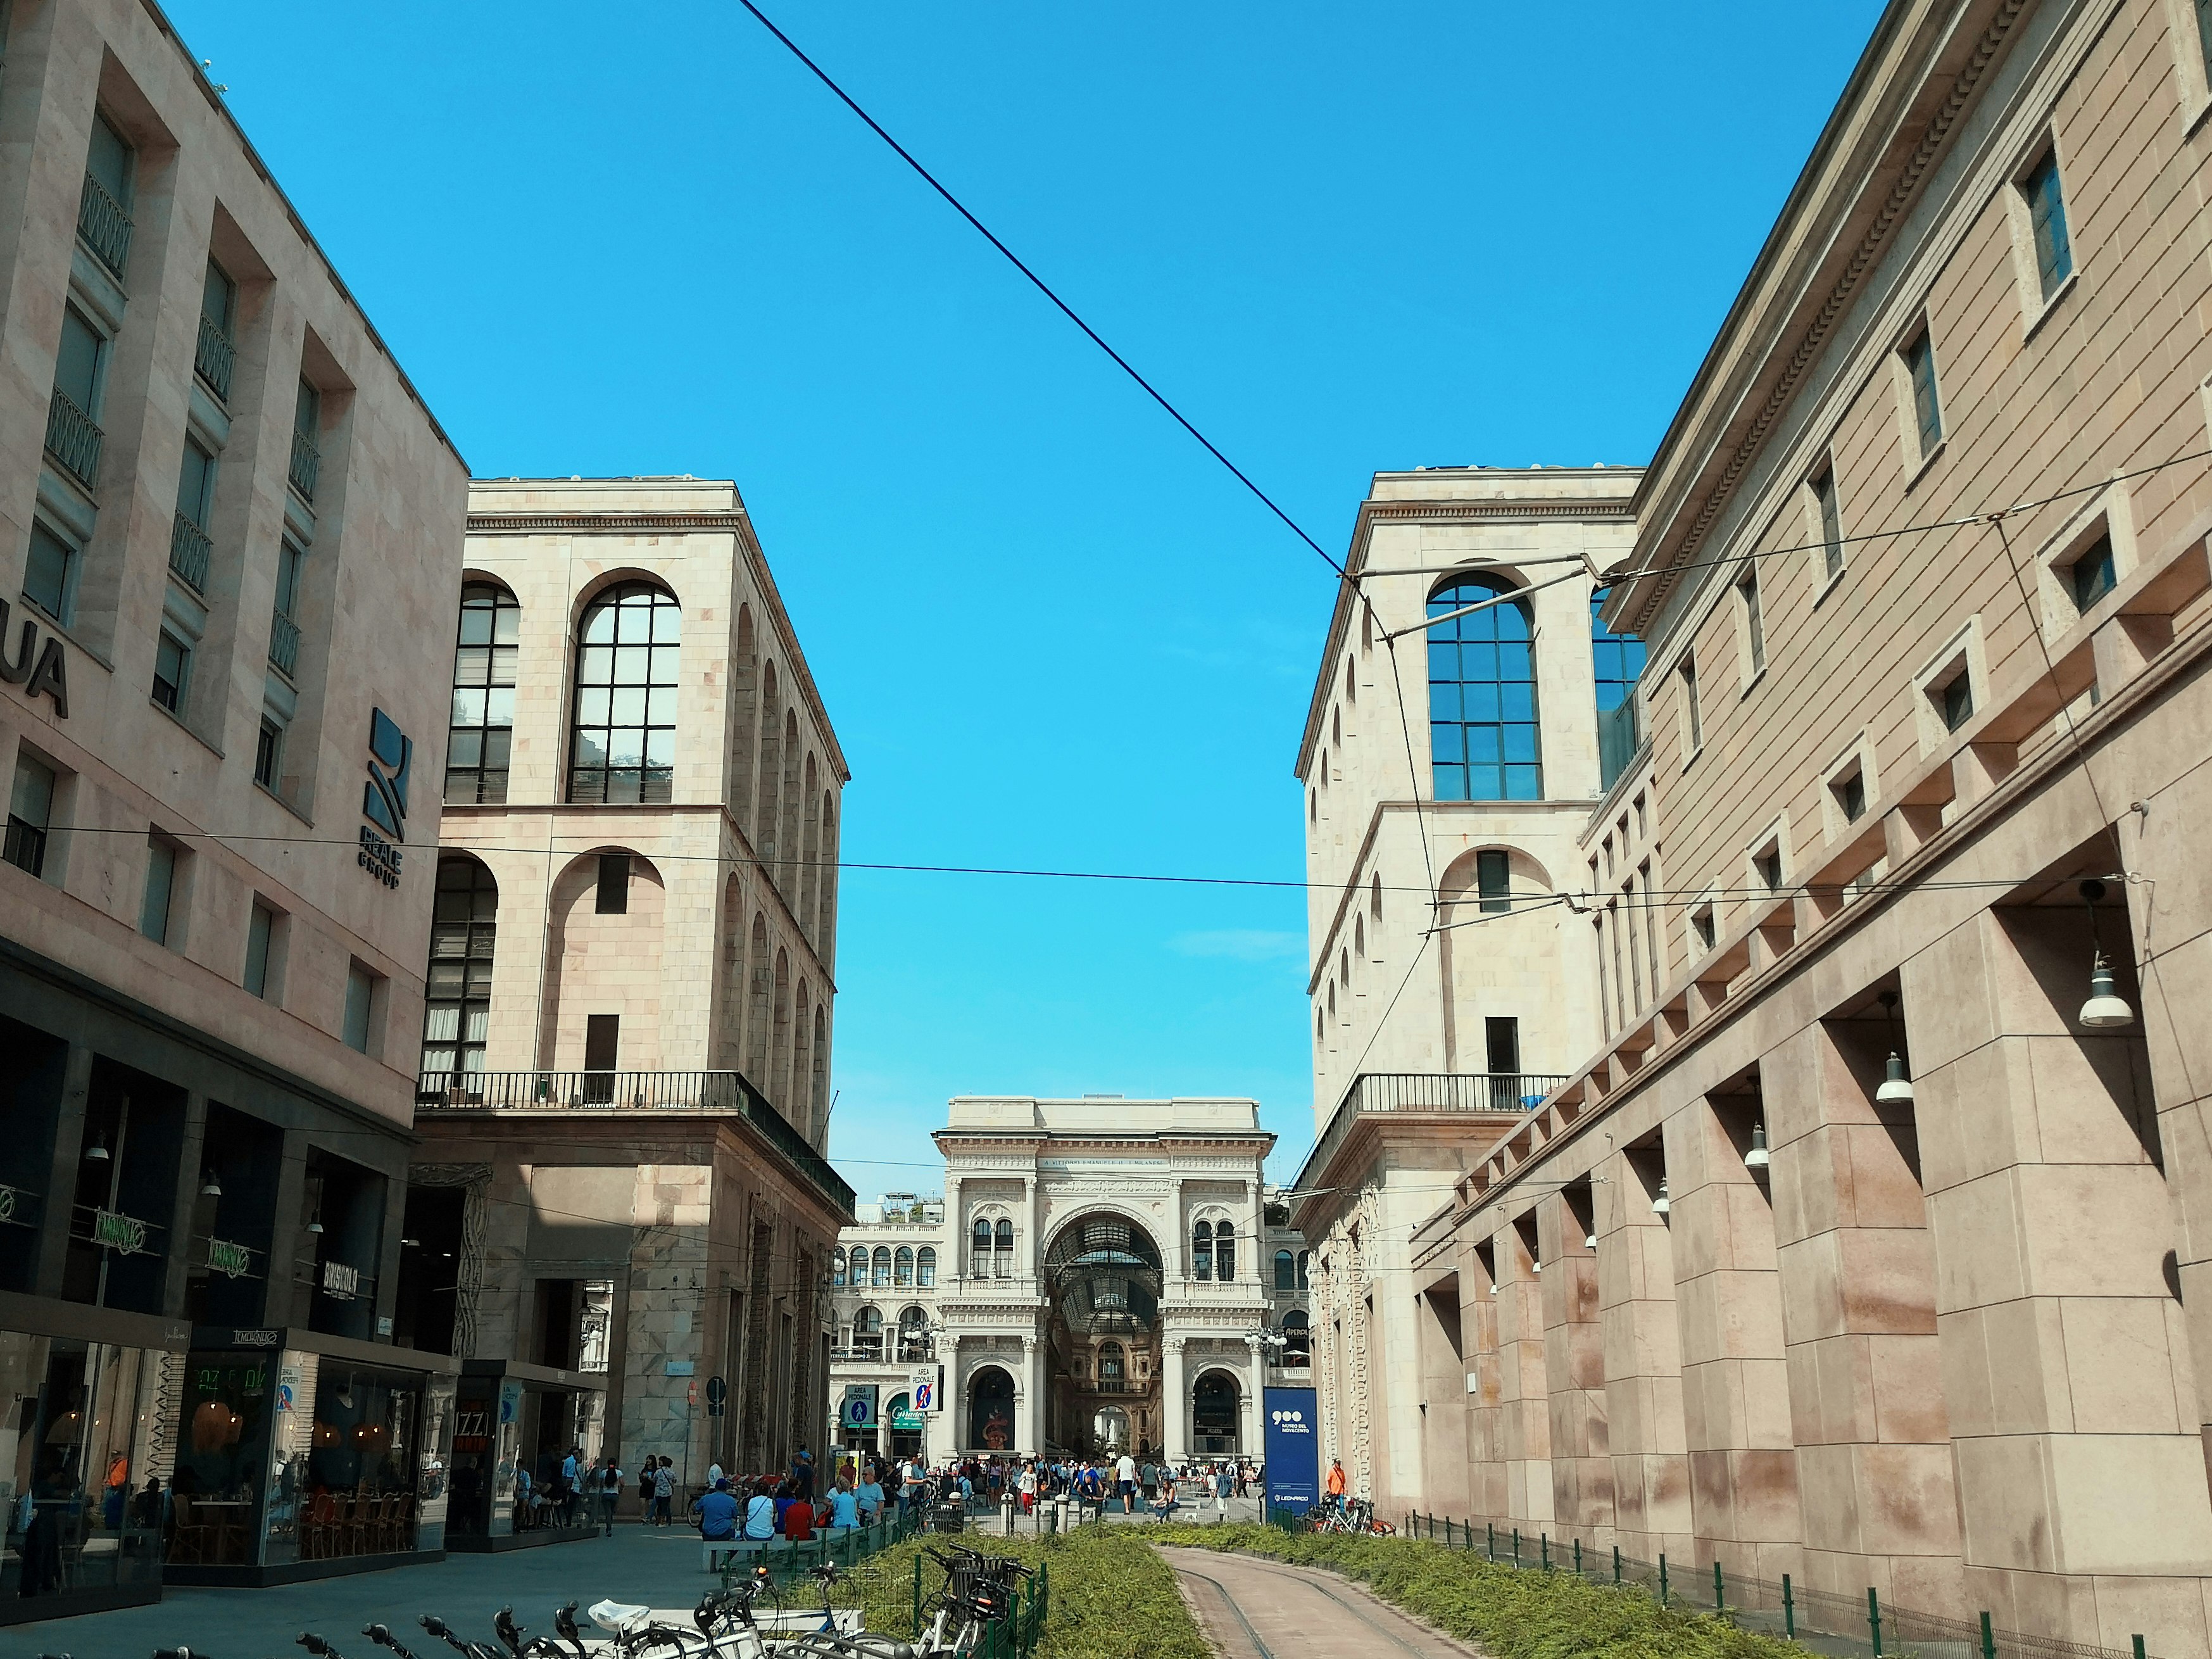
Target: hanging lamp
1756, 1159
2105, 1010
1659, 1204
1896, 1088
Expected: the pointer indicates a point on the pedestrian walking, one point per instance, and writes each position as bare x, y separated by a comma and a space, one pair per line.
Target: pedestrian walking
663, 1493
608, 1493
1222, 1485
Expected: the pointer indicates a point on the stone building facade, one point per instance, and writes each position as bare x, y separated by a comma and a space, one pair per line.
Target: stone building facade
1448, 984
1868, 1245
1086, 1307
622, 1090
883, 1284
215, 897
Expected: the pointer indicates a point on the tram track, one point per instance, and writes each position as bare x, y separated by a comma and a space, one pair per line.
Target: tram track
1295, 1627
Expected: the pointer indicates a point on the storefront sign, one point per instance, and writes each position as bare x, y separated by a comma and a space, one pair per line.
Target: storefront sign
262, 1338
7, 1203
384, 798
341, 1281
678, 1368
229, 1259
51, 675
124, 1235
904, 1421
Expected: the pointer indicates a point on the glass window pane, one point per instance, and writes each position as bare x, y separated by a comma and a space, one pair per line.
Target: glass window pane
46, 576
476, 624
499, 706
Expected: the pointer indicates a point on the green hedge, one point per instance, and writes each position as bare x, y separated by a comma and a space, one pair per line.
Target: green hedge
1513, 1612
1113, 1595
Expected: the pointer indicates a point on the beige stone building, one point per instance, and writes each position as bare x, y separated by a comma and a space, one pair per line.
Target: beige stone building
1922, 565
216, 900
883, 1286
1448, 984
623, 1071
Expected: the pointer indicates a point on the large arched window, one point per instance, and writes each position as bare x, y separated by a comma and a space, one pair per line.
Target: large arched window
903, 1266
980, 1249
913, 1336
837, 1267
925, 1268
1482, 696
881, 1265
1305, 1270
624, 746
1112, 1368
1297, 1340
1225, 1251
1617, 660
1002, 1266
1286, 1271
1202, 1250
457, 992
483, 722
868, 1333
859, 1275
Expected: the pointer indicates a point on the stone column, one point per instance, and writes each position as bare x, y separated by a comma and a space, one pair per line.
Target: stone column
1174, 1404
1526, 1415
1642, 1364
956, 1232
1484, 1385
1249, 1439
1574, 1359
2067, 1376
1174, 1254
1024, 1399
1030, 1262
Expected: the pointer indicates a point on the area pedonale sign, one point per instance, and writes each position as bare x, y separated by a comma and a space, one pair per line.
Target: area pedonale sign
37, 669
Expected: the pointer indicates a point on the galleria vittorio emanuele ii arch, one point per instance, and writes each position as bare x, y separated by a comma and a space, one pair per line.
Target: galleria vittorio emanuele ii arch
1113, 1273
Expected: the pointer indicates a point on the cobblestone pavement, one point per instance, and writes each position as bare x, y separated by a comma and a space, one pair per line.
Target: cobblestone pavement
1252, 1609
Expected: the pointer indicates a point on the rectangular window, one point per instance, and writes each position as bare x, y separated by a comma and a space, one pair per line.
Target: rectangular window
1702, 924
1927, 409
307, 410
1494, 881
107, 159
614, 885
2047, 213
1687, 673
360, 999
46, 573
215, 353
77, 363
1746, 589
2092, 576
2204, 33
1768, 863
268, 753
160, 883
196, 483
1832, 523
260, 930
1635, 945
1651, 927
1501, 1044
1850, 792
30, 814
1604, 985
1956, 699
218, 298
307, 457
172, 660
289, 562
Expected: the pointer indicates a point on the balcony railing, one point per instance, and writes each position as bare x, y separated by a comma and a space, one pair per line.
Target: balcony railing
73, 439
213, 358
283, 644
1376, 1093
189, 548
306, 463
104, 225
631, 1091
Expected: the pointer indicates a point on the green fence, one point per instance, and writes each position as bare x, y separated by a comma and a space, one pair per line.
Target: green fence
1847, 1626
785, 1562
1014, 1636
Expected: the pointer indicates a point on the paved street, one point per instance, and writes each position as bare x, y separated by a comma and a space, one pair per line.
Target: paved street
1252, 1609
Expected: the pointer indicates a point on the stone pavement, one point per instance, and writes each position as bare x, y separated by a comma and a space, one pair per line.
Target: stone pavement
1254, 1610
658, 1567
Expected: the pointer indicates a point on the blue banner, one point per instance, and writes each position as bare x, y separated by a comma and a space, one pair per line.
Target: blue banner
1293, 1442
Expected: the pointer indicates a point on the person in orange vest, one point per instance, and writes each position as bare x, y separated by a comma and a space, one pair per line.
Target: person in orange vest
1336, 1483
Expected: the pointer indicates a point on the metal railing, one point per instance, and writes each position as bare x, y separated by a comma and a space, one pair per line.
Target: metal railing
214, 357
189, 548
283, 644
632, 1091
73, 439
1374, 1092
307, 463
104, 225
1845, 1625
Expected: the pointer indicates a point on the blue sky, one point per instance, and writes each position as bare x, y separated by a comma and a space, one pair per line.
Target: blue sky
1049, 630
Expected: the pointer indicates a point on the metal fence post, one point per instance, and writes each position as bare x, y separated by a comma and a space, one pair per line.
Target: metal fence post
1616, 1564
1578, 1557
1517, 1546
1662, 1578
1546, 1541
1788, 1611
1720, 1594
1490, 1538
1874, 1621
917, 1598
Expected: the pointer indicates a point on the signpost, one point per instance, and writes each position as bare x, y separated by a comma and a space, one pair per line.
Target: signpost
1293, 1449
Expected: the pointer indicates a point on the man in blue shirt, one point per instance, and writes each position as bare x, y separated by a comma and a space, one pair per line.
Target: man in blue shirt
718, 1514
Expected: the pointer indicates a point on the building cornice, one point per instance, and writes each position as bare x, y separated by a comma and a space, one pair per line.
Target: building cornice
736, 521
1897, 116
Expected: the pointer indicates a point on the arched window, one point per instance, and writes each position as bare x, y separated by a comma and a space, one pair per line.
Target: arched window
903, 1266
868, 1333
483, 722
925, 1268
1305, 1270
881, 1265
457, 992
859, 1265
1286, 1271
1617, 660
1202, 1250
1112, 1368
1002, 1266
837, 1267
1482, 696
1225, 1252
1297, 1340
980, 1249
624, 748
913, 1336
